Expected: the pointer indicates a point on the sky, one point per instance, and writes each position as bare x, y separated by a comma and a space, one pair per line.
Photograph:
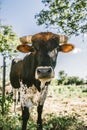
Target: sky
20, 14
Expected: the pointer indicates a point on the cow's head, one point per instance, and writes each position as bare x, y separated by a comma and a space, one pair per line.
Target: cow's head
45, 47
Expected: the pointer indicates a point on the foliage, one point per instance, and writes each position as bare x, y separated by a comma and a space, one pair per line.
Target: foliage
54, 82
13, 122
75, 80
8, 40
64, 79
66, 16
10, 122
8, 103
63, 123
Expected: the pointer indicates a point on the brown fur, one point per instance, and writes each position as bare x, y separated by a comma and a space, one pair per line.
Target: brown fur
44, 36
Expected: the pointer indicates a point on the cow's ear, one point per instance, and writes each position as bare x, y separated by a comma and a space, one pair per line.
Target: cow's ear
25, 48
66, 48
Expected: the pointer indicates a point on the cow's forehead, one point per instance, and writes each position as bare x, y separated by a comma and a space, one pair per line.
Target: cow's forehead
45, 40
44, 36
45, 46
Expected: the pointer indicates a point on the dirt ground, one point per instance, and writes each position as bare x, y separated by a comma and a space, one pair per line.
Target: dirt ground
66, 106
63, 106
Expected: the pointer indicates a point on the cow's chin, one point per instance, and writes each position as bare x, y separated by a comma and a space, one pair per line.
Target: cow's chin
44, 79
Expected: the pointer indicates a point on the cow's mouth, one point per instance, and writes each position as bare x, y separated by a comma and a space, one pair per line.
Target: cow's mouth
44, 73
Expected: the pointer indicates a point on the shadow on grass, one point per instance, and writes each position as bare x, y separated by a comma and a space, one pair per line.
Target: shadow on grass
64, 123
51, 122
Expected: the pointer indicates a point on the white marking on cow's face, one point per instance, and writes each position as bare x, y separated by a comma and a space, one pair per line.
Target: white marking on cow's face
53, 54
31, 96
16, 60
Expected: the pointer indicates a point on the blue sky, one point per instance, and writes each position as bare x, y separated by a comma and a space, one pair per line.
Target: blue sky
20, 14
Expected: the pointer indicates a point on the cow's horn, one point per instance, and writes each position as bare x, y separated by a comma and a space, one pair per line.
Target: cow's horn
63, 39
26, 39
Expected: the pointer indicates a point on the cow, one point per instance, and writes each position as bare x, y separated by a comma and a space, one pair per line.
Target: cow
32, 74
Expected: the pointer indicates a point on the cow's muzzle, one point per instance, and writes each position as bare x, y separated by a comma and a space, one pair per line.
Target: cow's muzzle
44, 73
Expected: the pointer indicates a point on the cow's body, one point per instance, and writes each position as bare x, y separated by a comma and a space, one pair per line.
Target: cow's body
33, 74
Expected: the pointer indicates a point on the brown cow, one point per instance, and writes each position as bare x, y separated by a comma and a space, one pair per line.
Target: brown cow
33, 74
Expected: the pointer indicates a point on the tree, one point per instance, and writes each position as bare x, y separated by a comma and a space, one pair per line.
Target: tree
62, 77
8, 41
75, 80
66, 16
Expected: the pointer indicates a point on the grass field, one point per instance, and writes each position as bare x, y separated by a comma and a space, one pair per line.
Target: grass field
65, 108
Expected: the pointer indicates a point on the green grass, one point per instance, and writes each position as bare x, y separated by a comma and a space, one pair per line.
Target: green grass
68, 91
63, 123
52, 123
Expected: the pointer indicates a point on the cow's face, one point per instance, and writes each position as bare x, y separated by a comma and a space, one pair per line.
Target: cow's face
45, 56
45, 52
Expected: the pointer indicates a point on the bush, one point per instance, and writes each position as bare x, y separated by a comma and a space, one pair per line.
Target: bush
10, 122
63, 123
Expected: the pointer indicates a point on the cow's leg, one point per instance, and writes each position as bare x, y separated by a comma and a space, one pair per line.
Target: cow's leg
40, 106
39, 119
25, 117
26, 103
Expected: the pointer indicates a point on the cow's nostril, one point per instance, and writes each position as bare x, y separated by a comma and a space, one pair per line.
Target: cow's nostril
49, 70
44, 70
38, 71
